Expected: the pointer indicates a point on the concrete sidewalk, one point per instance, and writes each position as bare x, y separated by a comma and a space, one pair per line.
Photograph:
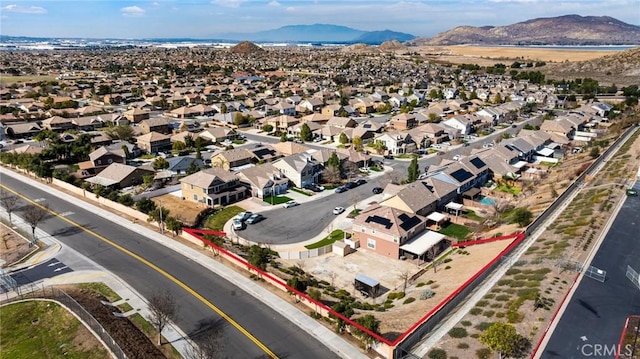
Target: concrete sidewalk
287, 310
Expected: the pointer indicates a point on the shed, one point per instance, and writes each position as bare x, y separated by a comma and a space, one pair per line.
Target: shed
366, 285
340, 248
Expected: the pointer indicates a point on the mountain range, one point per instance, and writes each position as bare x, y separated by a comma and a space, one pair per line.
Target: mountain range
561, 30
319, 33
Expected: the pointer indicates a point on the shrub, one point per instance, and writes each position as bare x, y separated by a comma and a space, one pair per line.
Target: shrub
489, 313
437, 354
426, 294
430, 282
503, 298
421, 284
482, 303
458, 332
463, 346
484, 353
395, 295
447, 267
409, 300
466, 323
483, 326
475, 311
500, 315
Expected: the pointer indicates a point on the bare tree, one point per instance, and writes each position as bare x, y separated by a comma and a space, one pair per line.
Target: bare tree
355, 199
349, 168
33, 215
333, 276
404, 276
331, 175
162, 310
500, 207
9, 202
433, 252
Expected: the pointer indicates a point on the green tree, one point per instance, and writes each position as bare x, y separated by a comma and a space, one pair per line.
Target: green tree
369, 322
305, 133
145, 205
504, 339
120, 132
522, 216
259, 257
239, 120
159, 215
413, 171
193, 168
433, 117
189, 142
174, 225
160, 163
497, 98
334, 161
283, 137
357, 143
595, 152
267, 128
223, 108
178, 146
379, 146
343, 138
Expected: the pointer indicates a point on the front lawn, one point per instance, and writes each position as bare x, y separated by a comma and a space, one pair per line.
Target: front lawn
276, 200
376, 168
455, 231
473, 216
336, 235
302, 192
217, 220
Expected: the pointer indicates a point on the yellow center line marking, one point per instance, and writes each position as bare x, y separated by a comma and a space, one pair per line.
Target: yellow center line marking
154, 267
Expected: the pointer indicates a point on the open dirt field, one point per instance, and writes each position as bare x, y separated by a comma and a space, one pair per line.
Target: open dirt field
185, 211
448, 276
491, 55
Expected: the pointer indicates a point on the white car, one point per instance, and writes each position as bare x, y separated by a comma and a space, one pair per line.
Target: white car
243, 216
238, 224
291, 204
338, 210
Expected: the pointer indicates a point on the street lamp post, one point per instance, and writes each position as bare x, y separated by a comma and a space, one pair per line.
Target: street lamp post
161, 226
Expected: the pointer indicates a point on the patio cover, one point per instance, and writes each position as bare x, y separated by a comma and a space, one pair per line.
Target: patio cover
454, 206
421, 244
546, 152
520, 164
436, 217
471, 192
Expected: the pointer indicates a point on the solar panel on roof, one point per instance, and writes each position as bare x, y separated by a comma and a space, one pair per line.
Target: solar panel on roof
379, 220
478, 163
408, 222
461, 175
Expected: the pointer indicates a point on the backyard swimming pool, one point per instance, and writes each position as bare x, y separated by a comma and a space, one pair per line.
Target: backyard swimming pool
488, 201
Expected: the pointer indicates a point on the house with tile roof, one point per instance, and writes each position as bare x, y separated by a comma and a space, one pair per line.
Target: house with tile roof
264, 180
118, 175
154, 142
301, 168
212, 186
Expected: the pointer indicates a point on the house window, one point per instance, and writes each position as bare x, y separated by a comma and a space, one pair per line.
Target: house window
363, 229
371, 243
195, 197
373, 230
191, 186
395, 239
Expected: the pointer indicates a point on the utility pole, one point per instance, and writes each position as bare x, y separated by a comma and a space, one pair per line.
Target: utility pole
161, 225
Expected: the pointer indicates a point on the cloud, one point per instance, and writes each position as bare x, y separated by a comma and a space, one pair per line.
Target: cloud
290, 9
228, 3
274, 3
24, 9
133, 11
155, 3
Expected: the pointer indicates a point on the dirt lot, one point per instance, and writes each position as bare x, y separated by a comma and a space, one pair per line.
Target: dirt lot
13, 246
487, 56
185, 211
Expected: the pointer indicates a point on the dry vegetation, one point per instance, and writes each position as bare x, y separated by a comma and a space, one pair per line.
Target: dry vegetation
530, 291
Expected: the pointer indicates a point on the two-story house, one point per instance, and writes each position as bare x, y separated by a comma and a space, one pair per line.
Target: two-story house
264, 180
212, 186
397, 142
301, 168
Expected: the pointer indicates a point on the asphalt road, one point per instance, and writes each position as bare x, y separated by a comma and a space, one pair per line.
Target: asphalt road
274, 331
592, 323
297, 224
48, 269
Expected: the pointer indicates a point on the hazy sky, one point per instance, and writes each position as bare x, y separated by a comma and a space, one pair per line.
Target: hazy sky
206, 18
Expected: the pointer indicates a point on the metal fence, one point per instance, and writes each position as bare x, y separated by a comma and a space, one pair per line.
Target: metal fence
403, 350
34, 292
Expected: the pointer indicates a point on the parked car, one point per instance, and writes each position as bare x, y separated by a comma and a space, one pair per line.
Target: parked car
376, 190
238, 224
243, 216
291, 204
361, 181
255, 218
338, 210
388, 157
341, 189
350, 185
314, 187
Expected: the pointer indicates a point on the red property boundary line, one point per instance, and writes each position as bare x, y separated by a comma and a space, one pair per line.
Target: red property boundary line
197, 233
481, 241
553, 317
624, 331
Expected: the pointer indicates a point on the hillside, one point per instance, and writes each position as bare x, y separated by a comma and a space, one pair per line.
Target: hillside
246, 48
622, 68
562, 30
